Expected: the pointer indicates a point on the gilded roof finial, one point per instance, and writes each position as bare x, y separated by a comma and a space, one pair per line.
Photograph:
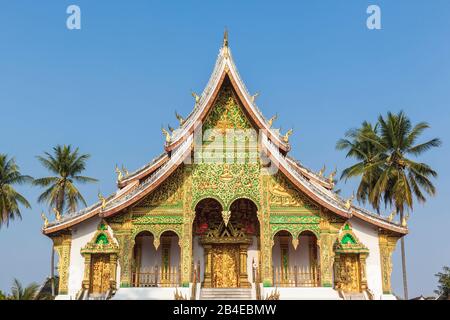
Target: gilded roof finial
179, 118
286, 136
392, 215
119, 174
125, 171
331, 176
166, 134
57, 214
348, 203
45, 220
102, 200
322, 171
271, 120
225, 38
256, 95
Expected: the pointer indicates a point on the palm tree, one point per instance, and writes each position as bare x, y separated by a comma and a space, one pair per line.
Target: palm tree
66, 165
398, 179
367, 155
18, 292
10, 199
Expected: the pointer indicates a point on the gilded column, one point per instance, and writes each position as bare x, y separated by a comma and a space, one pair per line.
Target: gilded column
387, 245
329, 228
207, 281
62, 244
266, 241
87, 271
243, 276
113, 275
126, 245
186, 248
362, 263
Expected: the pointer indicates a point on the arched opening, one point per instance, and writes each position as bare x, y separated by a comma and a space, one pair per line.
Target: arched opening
244, 213
208, 215
295, 261
170, 259
225, 243
281, 258
156, 263
307, 260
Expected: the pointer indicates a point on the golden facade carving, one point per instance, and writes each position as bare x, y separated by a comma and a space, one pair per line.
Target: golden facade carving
348, 273
387, 245
283, 194
225, 266
62, 245
100, 261
169, 193
100, 274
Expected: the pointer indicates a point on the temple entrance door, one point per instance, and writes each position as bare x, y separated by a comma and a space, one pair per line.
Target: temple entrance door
350, 273
100, 274
225, 266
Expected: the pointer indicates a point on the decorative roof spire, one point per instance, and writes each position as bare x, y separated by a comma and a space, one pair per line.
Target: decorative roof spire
225, 38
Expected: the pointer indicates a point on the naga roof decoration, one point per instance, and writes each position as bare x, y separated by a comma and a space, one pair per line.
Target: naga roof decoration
143, 181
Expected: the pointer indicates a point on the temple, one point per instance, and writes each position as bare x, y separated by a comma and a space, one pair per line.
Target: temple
224, 213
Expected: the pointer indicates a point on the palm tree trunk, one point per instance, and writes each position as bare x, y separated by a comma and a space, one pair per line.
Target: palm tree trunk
402, 247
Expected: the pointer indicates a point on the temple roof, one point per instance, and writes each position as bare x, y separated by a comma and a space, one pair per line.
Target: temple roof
143, 181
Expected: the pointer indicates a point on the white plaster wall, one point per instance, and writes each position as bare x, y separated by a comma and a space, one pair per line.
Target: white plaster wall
198, 254
368, 235
150, 257
299, 293
175, 252
252, 255
297, 257
81, 235
300, 257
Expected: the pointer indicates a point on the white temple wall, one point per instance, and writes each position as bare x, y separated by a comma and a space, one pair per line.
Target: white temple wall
82, 233
175, 252
252, 256
300, 257
368, 235
198, 255
150, 257
297, 257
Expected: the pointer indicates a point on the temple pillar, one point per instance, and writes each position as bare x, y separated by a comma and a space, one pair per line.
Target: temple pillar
87, 271
113, 275
362, 264
62, 244
186, 249
207, 280
243, 276
313, 259
387, 245
126, 244
326, 259
266, 244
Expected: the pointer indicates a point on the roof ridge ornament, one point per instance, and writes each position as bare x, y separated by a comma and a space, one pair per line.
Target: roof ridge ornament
225, 38
271, 120
225, 48
286, 136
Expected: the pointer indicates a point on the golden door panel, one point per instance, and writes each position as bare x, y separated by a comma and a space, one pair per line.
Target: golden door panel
350, 273
100, 273
225, 266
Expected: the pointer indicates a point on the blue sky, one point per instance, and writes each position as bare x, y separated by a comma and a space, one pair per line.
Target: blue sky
109, 87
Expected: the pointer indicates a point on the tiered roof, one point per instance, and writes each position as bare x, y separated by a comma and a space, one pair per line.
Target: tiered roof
143, 181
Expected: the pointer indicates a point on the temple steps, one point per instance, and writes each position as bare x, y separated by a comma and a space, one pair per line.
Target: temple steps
355, 296
226, 294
